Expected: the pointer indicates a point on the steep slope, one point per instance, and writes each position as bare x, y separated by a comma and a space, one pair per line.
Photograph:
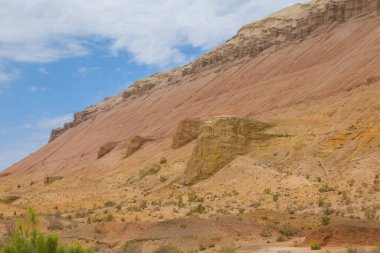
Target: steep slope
310, 70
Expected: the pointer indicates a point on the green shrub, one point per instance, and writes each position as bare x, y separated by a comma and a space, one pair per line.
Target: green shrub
27, 239
109, 217
370, 212
168, 249
109, 203
326, 220
1, 216
198, 209
315, 246
287, 231
326, 188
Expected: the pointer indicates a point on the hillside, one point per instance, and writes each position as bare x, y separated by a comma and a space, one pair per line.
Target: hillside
283, 117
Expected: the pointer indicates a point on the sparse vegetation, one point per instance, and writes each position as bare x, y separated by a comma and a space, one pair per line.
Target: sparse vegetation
170, 248
28, 239
198, 209
109, 218
315, 246
370, 212
326, 220
325, 188
132, 247
109, 203
227, 249
362, 250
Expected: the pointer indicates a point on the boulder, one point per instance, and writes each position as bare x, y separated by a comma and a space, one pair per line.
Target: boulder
106, 148
187, 130
219, 143
135, 144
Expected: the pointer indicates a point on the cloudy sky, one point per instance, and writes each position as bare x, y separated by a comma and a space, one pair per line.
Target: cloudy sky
58, 57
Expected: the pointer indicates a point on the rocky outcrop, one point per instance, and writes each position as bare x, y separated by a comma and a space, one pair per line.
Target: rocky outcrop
293, 23
187, 130
220, 141
135, 144
79, 117
106, 148
50, 180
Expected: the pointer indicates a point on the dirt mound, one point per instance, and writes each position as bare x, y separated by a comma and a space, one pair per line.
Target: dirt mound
106, 148
135, 144
219, 143
187, 130
345, 235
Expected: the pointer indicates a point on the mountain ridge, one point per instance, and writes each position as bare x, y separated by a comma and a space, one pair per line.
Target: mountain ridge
292, 23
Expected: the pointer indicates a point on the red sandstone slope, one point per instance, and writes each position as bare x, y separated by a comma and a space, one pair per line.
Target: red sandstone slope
325, 48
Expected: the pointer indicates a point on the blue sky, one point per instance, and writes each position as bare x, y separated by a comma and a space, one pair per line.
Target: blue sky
58, 57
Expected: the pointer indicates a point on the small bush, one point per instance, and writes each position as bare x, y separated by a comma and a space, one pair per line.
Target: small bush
325, 188
370, 212
168, 249
227, 249
132, 247
326, 220
198, 209
109, 203
109, 218
55, 225
315, 246
287, 231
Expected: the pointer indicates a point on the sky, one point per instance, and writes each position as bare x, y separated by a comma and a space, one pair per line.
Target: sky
59, 57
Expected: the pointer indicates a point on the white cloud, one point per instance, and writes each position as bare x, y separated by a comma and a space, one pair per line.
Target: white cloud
43, 71
6, 77
35, 89
86, 70
151, 31
54, 122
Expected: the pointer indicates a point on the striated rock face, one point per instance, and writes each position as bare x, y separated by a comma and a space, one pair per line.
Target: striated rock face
188, 130
294, 23
220, 141
135, 144
106, 148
